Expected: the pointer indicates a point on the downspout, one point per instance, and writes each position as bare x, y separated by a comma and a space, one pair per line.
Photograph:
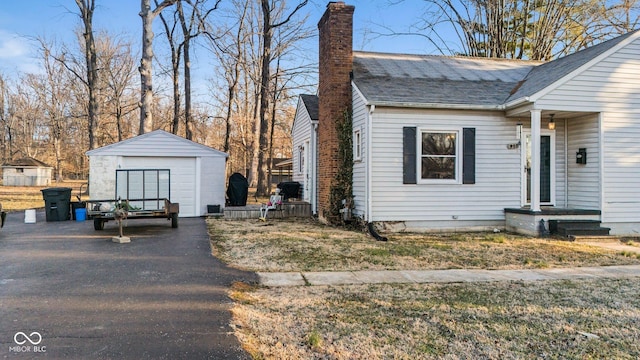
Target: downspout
566, 163
314, 169
601, 155
369, 184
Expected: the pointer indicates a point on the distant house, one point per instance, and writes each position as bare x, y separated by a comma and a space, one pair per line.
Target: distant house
444, 143
26, 172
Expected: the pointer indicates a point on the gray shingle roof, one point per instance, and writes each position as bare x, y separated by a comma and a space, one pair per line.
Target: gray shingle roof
25, 162
417, 79
427, 80
311, 103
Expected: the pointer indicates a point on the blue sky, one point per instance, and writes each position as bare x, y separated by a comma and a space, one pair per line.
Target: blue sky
21, 20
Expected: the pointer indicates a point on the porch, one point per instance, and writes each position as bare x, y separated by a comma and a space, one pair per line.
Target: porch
287, 210
554, 221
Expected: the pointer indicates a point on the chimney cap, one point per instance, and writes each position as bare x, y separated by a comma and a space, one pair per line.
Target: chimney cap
335, 2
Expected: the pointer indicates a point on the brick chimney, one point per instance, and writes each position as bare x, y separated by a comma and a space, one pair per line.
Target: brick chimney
334, 91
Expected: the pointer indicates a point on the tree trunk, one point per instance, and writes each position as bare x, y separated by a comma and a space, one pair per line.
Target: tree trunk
186, 33
86, 8
263, 143
146, 62
175, 71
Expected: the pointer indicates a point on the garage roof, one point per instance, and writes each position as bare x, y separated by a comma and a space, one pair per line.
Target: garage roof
157, 143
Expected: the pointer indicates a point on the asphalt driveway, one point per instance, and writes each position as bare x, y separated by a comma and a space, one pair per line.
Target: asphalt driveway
67, 291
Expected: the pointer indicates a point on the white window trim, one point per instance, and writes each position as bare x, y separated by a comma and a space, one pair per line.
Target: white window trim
458, 169
301, 158
357, 145
523, 160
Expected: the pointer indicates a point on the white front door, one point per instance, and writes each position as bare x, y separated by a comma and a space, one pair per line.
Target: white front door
547, 167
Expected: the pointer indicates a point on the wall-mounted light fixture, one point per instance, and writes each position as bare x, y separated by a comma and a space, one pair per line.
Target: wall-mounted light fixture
552, 123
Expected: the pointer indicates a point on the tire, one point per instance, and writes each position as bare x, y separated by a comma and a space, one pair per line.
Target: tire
98, 224
174, 220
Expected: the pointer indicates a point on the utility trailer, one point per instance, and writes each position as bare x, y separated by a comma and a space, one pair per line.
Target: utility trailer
140, 193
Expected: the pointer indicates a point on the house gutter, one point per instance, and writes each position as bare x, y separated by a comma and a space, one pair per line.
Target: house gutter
436, 106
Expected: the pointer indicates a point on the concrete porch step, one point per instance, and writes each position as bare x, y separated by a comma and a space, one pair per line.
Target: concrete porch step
577, 228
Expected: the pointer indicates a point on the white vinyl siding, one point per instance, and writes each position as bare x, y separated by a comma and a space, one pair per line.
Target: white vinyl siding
359, 121
300, 133
609, 87
182, 178
497, 169
584, 179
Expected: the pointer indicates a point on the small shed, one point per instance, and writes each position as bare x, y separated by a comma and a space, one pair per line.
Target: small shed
197, 172
26, 172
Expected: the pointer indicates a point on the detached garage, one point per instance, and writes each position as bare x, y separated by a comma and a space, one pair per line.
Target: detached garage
197, 172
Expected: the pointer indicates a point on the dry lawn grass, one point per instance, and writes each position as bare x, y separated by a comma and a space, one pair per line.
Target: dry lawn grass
281, 245
17, 198
585, 319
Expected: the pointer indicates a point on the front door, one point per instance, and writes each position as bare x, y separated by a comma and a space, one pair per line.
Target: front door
547, 167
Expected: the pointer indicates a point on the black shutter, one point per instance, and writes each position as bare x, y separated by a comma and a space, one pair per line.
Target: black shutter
468, 155
409, 155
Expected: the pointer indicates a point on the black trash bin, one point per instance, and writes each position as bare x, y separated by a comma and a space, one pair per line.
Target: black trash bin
57, 203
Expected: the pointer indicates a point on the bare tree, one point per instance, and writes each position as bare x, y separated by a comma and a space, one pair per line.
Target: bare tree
175, 49
228, 49
268, 9
86, 8
146, 62
52, 89
118, 66
531, 29
623, 16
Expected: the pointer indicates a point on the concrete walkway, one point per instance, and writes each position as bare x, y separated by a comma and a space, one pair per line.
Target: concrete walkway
443, 276
274, 279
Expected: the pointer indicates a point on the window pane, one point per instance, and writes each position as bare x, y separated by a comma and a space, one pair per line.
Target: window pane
438, 143
438, 167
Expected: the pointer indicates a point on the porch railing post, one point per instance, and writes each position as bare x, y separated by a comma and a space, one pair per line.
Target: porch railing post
535, 160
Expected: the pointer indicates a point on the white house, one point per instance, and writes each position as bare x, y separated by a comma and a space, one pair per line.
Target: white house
197, 172
443, 143
26, 172
304, 133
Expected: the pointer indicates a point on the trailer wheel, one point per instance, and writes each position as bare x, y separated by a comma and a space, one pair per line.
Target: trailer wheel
174, 220
98, 224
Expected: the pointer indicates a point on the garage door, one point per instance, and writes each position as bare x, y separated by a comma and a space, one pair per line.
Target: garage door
183, 178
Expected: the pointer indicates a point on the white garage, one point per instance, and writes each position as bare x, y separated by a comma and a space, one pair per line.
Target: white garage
196, 171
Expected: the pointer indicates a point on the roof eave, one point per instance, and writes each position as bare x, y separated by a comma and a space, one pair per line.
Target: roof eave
517, 102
